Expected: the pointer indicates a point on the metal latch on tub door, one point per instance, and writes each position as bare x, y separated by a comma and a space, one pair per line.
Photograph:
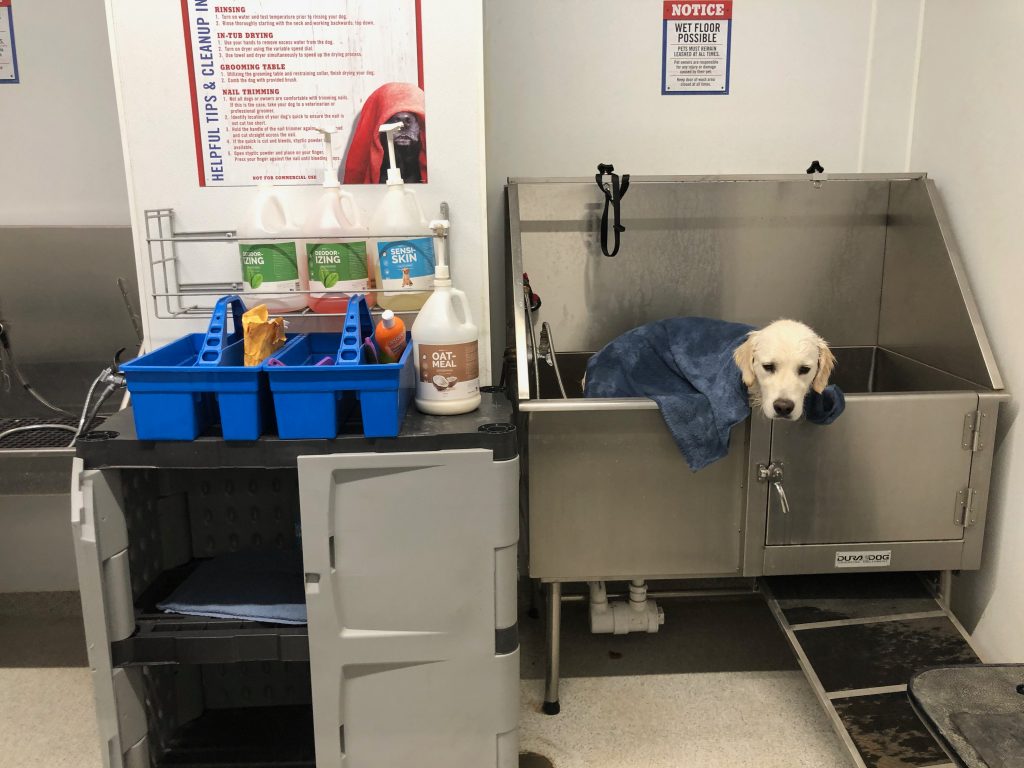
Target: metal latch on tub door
773, 473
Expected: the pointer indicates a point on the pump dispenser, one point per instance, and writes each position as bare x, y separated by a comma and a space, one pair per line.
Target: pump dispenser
334, 262
404, 252
446, 344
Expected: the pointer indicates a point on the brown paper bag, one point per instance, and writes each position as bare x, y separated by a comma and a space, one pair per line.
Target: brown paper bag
262, 336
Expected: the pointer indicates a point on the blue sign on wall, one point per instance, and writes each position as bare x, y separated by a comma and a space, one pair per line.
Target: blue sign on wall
8, 54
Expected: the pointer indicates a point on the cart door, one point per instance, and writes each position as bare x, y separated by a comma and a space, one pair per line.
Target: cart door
892, 468
101, 553
410, 563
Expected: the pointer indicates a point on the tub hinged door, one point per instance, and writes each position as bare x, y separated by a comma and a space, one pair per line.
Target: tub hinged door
892, 468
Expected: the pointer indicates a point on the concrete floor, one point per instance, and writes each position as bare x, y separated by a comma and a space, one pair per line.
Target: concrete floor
711, 720
716, 687
47, 717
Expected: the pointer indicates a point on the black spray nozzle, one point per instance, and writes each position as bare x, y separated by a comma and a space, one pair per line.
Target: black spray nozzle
533, 297
613, 190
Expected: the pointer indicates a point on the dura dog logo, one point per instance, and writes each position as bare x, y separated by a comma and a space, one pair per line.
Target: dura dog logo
881, 558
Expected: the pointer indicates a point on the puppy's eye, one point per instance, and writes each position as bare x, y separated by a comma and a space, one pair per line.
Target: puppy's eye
803, 370
770, 367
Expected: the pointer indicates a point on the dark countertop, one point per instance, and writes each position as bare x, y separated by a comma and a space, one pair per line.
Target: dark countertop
490, 427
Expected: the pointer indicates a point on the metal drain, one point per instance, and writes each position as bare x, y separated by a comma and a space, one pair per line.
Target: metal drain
37, 438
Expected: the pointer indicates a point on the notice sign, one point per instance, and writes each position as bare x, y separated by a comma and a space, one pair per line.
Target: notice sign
696, 43
266, 74
8, 56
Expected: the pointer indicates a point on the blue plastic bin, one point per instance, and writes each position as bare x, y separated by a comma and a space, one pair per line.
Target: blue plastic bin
316, 400
181, 390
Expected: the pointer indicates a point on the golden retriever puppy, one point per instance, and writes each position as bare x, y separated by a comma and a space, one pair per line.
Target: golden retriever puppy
780, 363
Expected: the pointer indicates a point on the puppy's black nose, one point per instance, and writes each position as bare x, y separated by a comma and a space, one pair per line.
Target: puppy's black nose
783, 407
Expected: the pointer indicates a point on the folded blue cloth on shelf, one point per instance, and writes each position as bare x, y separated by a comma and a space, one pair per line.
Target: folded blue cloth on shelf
256, 586
685, 365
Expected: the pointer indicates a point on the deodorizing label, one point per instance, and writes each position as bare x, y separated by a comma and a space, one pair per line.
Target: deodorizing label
448, 371
338, 266
406, 264
270, 267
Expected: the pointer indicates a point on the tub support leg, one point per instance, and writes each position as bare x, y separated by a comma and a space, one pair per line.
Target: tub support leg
551, 705
946, 589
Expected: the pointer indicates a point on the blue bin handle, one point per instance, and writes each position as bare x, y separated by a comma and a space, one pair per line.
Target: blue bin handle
358, 325
217, 337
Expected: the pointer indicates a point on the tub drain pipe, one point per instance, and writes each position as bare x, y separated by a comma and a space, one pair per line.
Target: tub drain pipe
620, 618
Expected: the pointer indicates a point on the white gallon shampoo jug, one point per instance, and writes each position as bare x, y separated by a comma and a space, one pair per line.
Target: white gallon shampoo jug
404, 246
446, 347
269, 254
333, 260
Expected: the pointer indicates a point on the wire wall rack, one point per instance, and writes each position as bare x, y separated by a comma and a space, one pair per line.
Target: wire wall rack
177, 298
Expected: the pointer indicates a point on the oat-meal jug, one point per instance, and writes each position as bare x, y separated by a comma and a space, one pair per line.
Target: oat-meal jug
446, 346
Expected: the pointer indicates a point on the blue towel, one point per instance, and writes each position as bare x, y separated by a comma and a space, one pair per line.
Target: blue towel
257, 586
685, 365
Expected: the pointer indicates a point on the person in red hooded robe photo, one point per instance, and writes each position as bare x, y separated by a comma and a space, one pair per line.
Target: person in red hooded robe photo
367, 158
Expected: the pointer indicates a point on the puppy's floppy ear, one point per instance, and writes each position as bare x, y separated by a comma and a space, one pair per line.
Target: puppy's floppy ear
743, 356
826, 362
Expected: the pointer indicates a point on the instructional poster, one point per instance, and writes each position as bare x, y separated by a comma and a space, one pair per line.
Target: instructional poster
8, 54
696, 48
266, 74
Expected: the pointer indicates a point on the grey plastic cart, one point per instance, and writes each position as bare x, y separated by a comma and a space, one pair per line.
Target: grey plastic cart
411, 655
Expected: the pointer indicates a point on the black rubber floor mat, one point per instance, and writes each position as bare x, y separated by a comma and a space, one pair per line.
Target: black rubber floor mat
833, 597
883, 653
878, 631
888, 733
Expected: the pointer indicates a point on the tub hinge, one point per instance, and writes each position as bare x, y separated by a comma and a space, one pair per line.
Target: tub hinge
964, 516
972, 431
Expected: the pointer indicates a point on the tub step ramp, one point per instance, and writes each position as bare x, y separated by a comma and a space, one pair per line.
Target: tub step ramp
859, 639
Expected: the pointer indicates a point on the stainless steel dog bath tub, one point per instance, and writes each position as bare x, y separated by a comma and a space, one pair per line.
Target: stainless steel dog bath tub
610, 496
899, 482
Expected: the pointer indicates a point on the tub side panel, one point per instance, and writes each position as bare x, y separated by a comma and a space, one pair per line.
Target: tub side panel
611, 497
928, 309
